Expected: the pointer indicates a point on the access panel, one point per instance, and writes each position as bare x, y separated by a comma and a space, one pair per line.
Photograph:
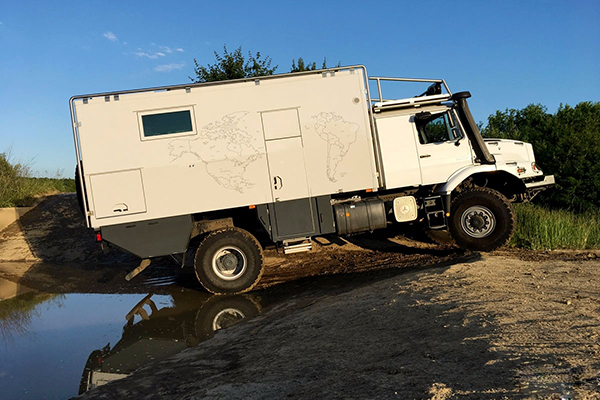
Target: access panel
117, 193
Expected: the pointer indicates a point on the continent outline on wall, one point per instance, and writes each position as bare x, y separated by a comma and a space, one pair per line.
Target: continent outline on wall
225, 149
339, 135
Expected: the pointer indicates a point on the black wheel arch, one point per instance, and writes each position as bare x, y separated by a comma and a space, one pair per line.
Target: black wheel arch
501, 181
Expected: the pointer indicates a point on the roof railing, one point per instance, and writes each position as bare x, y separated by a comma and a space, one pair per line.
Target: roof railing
379, 79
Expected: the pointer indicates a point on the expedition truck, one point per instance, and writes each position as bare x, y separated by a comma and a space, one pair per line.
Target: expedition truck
223, 168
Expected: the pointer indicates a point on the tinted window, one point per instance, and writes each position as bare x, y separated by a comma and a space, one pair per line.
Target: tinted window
166, 123
436, 128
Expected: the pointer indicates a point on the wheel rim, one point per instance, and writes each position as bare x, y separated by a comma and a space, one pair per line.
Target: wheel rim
226, 318
478, 222
229, 263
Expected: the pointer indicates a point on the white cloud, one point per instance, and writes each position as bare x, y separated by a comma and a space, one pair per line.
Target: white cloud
110, 36
169, 67
169, 50
152, 56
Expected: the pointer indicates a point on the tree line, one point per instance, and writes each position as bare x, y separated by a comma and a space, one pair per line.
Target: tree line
566, 143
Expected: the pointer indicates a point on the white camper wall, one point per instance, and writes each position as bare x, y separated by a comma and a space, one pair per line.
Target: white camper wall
221, 161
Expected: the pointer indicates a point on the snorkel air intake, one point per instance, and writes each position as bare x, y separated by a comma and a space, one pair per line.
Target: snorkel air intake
481, 151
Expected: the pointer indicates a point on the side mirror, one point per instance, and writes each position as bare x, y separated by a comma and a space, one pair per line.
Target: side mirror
423, 116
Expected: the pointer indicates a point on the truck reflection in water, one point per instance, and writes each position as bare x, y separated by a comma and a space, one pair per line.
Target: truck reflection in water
160, 333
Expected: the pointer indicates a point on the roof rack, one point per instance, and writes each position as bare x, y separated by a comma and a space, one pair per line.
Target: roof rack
411, 102
429, 97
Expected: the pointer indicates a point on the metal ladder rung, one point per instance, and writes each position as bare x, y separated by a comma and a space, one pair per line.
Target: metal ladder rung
296, 245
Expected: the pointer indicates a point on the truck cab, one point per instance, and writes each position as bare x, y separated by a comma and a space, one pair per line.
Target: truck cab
432, 141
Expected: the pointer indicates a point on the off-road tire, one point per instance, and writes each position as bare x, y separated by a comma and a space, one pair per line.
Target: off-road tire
482, 219
234, 246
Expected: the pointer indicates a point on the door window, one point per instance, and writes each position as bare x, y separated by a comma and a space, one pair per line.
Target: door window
436, 128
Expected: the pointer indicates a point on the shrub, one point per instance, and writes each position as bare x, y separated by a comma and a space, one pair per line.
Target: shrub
19, 189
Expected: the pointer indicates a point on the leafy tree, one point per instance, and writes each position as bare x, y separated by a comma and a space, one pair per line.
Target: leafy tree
566, 144
233, 66
303, 66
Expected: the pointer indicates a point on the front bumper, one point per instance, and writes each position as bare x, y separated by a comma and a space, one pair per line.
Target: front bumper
537, 186
540, 185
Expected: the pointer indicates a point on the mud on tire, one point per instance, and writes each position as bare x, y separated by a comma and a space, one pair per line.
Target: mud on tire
229, 261
482, 219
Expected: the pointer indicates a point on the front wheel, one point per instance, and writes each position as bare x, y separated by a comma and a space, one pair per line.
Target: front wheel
482, 219
229, 261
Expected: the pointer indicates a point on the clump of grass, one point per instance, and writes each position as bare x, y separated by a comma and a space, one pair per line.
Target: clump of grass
19, 189
539, 228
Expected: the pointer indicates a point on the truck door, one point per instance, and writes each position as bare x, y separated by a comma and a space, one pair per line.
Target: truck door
397, 143
292, 210
287, 169
441, 147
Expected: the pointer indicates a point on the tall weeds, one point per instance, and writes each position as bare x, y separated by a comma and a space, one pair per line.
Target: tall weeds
19, 189
539, 228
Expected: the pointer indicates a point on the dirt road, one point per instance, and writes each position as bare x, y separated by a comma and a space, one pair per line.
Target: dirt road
375, 318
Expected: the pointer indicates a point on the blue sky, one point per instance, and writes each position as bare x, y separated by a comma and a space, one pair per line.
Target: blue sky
508, 54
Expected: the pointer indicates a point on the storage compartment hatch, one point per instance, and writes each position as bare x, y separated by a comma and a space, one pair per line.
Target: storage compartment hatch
118, 193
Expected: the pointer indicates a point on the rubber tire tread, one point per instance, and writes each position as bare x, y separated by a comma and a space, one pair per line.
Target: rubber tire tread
212, 242
506, 219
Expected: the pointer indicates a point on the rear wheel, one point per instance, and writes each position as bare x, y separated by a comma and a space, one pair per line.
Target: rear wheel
482, 219
229, 261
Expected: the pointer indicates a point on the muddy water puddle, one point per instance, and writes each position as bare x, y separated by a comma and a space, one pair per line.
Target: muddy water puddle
55, 346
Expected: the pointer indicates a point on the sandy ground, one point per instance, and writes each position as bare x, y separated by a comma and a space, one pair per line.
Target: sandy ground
375, 317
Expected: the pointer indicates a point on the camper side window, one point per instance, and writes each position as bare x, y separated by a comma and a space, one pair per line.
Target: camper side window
167, 123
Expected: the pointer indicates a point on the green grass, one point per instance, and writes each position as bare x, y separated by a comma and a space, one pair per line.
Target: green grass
19, 189
539, 228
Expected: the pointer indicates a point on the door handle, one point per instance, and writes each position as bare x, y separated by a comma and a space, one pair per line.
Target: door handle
121, 207
425, 156
277, 182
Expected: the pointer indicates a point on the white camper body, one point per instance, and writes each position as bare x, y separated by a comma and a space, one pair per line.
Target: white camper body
285, 158
234, 145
